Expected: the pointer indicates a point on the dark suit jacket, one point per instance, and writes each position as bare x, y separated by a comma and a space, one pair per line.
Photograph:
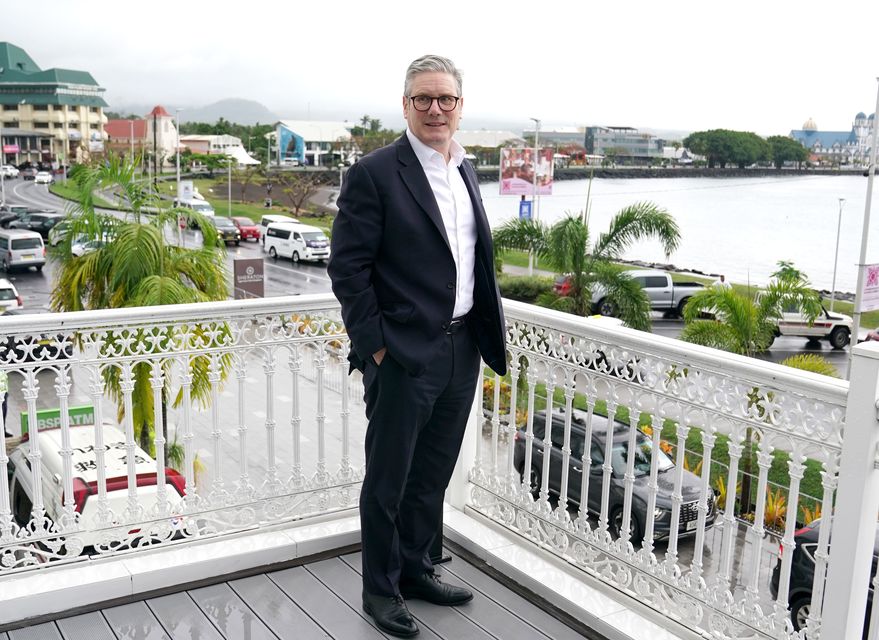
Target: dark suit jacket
392, 268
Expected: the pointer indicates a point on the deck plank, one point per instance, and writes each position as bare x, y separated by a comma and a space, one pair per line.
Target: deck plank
182, 617
482, 611
135, 621
280, 614
229, 613
92, 626
45, 631
346, 583
324, 606
511, 601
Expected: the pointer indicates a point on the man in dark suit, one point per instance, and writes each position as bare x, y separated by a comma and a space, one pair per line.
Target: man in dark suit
412, 266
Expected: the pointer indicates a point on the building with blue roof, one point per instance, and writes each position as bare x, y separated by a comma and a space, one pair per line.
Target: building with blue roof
838, 147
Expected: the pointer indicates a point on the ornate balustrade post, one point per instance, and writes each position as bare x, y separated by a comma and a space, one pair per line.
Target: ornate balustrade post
857, 501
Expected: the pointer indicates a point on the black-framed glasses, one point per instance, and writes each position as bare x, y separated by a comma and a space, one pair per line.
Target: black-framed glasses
423, 103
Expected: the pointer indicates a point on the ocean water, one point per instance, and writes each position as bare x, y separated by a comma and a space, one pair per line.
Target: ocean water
740, 227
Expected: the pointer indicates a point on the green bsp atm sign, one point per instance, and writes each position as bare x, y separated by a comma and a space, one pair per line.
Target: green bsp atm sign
51, 418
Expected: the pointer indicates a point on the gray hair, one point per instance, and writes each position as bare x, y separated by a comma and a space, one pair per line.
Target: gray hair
429, 63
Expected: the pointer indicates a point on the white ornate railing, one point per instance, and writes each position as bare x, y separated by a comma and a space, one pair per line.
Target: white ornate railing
793, 419
244, 389
256, 401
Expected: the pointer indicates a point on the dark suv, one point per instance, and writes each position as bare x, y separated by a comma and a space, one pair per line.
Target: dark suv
40, 222
691, 486
802, 575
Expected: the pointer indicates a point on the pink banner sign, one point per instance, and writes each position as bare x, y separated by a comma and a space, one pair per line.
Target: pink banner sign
10, 148
518, 168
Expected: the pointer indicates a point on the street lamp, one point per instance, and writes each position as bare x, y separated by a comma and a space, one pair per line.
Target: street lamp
177, 148
836, 255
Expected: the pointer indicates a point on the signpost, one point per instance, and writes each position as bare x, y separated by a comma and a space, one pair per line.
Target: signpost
524, 209
249, 278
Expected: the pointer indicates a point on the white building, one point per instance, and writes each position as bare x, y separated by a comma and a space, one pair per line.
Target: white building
314, 142
219, 145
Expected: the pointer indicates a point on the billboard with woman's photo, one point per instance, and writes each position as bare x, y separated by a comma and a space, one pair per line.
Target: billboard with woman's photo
517, 171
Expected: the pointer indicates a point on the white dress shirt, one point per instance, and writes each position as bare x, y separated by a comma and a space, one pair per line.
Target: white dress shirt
456, 209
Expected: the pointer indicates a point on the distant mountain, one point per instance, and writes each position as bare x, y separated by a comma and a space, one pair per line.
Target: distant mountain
237, 110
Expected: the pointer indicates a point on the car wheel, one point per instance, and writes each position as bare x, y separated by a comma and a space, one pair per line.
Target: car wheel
295, 256
39, 267
615, 524
839, 337
607, 307
799, 611
5, 265
272, 253
681, 305
238, 243
534, 482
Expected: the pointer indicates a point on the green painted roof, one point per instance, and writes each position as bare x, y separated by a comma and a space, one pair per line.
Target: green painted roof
16, 59
20, 79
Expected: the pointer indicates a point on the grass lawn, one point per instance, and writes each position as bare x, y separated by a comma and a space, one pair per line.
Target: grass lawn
68, 191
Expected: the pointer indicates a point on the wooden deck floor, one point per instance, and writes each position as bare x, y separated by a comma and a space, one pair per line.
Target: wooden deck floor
318, 600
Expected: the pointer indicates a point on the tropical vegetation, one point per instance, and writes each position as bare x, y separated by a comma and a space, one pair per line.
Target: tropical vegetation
567, 247
131, 263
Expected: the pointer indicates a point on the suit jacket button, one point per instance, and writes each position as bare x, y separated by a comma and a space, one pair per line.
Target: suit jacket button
450, 285
445, 325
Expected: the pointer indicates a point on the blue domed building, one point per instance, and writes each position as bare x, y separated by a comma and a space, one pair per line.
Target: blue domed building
838, 147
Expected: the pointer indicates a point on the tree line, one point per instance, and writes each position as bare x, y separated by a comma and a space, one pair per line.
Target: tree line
722, 147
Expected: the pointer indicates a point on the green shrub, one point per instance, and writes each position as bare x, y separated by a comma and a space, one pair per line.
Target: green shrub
524, 288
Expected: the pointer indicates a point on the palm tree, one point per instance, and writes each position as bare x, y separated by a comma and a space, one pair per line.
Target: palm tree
566, 248
741, 324
132, 265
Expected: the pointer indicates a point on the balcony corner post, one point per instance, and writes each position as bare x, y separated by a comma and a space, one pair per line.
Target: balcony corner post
857, 500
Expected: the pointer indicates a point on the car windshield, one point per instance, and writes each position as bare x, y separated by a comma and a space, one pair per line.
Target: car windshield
314, 236
202, 207
26, 243
7, 294
643, 455
244, 222
223, 222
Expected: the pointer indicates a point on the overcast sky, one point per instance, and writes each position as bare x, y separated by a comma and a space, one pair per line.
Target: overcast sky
762, 66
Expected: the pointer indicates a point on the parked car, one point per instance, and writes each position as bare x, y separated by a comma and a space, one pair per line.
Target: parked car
58, 232
10, 212
42, 223
664, 293
836, 328
21, 248
691, 487
227, 231
85, 476
562, 285
9, 298
297, 242
291, 162
28, 173
247, 227
802, 575
43, 177
8, 171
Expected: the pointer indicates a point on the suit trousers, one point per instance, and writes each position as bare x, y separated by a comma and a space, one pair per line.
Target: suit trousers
416, 425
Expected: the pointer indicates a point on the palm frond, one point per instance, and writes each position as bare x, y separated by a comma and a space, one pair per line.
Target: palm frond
638, 222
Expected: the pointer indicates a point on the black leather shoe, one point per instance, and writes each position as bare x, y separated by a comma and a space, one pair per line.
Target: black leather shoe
430, 588
390, 615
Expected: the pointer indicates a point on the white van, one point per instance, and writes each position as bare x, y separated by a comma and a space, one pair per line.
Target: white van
296, 241
21, 248
268, 219
85, 478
